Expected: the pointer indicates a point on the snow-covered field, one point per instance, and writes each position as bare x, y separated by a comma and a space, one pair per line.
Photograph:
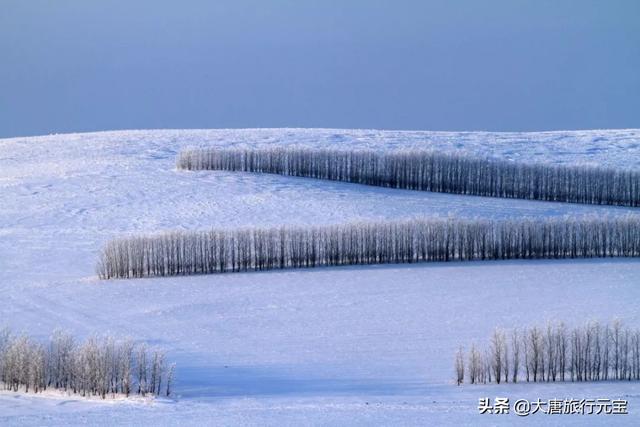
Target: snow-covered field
333, 346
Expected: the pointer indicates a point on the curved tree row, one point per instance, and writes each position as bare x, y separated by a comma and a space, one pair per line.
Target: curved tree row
431, 171
229, 250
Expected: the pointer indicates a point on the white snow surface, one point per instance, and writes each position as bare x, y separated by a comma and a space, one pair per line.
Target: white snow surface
369, 345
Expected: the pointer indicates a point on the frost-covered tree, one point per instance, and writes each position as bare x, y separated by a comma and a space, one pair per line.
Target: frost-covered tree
459, 366
96, 367
535, 356
475, 365
497, 354
515, 351
170, 378
142, 369
592, 352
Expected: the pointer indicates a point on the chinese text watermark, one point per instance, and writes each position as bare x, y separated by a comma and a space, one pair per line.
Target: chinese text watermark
524, 407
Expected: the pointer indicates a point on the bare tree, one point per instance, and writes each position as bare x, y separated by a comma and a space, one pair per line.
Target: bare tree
499, 355
475, 365
562, 349
157, 371
616, 337
170, 376
515, 351
142, 369
535, 356
459, 365
488, 365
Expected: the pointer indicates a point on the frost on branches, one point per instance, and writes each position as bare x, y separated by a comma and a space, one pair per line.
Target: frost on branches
96, 367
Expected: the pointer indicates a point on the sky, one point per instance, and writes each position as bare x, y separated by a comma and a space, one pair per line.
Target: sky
498, 65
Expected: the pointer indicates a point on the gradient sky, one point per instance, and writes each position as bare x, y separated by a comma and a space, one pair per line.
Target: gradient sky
83, 65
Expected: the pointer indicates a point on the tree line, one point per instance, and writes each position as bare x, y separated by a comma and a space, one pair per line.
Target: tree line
416, 240
95, 367
593, 352
430, 171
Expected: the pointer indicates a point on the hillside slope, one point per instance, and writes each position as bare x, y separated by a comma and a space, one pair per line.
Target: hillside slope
356, 345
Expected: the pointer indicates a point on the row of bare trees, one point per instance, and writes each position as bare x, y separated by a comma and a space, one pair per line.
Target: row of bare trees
95, 367
417, 240
430, 171
593, 352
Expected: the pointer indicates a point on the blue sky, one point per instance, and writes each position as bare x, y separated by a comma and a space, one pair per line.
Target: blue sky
79, 65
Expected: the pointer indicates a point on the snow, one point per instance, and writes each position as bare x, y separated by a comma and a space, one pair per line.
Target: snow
330, 346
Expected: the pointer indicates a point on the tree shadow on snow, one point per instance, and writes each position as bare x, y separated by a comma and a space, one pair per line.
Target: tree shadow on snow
243, 381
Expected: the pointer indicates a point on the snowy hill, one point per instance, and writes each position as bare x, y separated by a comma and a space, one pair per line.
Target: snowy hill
357, 345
